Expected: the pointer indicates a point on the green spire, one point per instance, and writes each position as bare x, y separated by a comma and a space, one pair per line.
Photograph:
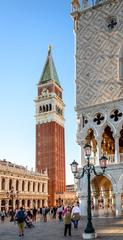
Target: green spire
49, 71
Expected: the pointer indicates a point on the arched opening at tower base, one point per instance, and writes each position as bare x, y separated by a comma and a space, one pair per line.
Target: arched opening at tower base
103, 198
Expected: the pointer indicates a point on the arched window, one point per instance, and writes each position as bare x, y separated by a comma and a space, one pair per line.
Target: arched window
121, 63
47, 108
28, 186
43, 187
28, 203
50, 107
23, 186
3, 184
40, 109
44, 108
17, 185
33, 186
38, 187
10, 184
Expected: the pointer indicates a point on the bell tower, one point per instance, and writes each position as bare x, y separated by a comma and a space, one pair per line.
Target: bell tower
50, 136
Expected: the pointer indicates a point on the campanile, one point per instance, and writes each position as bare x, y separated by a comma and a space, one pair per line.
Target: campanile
50, 134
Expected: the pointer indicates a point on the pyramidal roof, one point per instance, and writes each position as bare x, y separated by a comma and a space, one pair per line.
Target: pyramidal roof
49, 71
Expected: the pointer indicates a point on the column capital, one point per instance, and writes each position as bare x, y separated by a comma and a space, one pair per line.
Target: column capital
117, 136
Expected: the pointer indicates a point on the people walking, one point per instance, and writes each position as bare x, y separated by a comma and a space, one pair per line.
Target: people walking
59, 212
20, 218
44, 213
34, 213
75, 214
2, 216
67, 221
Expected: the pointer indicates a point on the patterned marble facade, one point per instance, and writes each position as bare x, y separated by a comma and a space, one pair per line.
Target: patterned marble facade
98, 29
30, 189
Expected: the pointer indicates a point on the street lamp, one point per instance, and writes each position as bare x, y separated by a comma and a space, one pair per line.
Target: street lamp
89, 168
12, 194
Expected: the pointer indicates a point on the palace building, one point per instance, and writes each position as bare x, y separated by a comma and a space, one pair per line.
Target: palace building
98, 27
21, 187
50, 139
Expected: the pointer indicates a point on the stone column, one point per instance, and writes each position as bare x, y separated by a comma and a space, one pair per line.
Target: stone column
105, 199
95, 202
98, 155
6, 184
83, 205
31, 203
82, 154
14, 203
20, 185
46, 188
36, 203
31, 186
14, 184
26, 186
117, 155
7, 205
20, 203
118, 206
25, 203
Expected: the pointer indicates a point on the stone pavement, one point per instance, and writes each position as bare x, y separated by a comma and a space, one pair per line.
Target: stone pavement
106, 228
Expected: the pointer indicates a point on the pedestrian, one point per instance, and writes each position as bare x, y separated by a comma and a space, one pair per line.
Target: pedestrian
76, 213
44, 213
2, 216
41, 216
54, 210
67, 221
34, 213
20, 218
59, 212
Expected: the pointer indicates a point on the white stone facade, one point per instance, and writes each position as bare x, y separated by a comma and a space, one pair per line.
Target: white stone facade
99, 99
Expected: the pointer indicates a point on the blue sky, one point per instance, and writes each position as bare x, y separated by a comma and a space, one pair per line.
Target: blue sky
27, 27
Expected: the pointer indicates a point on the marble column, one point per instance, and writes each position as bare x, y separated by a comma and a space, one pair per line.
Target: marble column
95, 202
7, 205
118, 205
83, 160
7, 184
83, 205
117, 155
98, 155
25, 203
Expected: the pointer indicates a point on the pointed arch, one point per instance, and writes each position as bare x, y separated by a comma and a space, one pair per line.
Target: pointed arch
120, 184
107, 123
85, 131
119, 127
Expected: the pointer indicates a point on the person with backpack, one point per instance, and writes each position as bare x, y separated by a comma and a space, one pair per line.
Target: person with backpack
20, 218
67, 221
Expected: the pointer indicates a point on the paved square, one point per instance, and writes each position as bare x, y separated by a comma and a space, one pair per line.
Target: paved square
106, 228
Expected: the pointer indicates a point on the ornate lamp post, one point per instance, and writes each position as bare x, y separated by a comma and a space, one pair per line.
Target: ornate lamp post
12, 195
89, 168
